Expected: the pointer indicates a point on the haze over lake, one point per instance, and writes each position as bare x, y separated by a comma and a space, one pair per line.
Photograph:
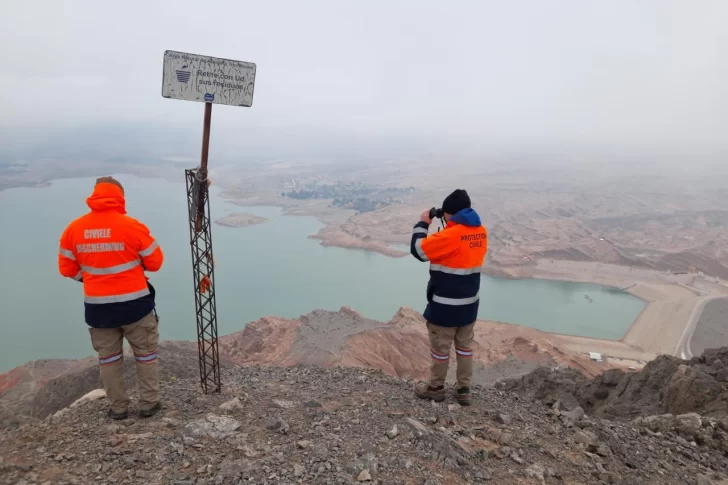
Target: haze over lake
267, 269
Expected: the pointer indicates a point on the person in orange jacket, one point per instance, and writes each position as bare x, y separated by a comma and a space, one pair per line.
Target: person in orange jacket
456, 256
109, 251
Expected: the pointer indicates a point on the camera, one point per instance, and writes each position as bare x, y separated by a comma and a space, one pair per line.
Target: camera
436, 213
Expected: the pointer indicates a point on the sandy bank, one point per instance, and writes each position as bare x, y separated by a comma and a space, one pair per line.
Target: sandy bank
336, 238
240, 219
673, 301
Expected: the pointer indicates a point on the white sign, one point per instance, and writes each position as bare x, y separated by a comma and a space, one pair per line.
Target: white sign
207, 79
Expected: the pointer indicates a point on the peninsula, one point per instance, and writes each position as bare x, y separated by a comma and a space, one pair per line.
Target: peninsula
240, 219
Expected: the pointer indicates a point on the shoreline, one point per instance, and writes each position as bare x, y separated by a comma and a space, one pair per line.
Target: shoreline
673, 305
664, 326
670, 300
669, 303
356, 244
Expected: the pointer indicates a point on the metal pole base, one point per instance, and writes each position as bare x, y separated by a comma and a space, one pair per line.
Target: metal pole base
203, 276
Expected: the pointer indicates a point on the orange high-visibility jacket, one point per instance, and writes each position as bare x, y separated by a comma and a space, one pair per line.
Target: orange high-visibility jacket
108, 250
456, 255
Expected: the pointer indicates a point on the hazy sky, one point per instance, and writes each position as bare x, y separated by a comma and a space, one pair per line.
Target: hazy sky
626, 73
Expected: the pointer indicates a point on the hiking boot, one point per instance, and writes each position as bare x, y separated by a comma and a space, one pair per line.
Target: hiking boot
463, 396
118, 416
148, 413
424, 391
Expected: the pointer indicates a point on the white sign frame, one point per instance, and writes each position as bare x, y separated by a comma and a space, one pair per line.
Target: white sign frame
205, 79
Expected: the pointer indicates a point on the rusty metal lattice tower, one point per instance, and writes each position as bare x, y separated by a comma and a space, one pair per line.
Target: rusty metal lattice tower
189, 77
203, 266
203, 278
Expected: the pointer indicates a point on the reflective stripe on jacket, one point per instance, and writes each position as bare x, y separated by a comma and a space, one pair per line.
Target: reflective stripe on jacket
456, 256
109, 251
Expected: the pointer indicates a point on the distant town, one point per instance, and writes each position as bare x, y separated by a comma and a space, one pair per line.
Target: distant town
360, 197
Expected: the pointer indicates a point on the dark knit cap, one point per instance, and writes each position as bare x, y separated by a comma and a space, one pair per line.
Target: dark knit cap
456, 202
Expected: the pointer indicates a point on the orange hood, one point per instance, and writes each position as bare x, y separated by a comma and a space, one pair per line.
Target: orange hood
107, 197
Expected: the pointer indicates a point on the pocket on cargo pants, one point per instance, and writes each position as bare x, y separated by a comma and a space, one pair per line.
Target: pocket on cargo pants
141, 335
151, 326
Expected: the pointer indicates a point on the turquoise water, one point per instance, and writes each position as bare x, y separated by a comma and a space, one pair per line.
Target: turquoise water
267, 269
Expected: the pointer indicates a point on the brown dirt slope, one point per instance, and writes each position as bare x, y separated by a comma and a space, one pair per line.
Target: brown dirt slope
399, 347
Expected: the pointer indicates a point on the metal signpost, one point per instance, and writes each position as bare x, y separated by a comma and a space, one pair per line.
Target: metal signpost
208, 80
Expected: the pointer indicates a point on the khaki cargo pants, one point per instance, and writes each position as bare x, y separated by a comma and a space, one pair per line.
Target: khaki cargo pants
143, 337
441, 339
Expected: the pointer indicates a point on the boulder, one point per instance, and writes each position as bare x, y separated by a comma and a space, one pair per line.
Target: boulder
612, 377
657, 423
587, 438
232, 405
691, 420
566, 402
94, 395
212, 426
574, 415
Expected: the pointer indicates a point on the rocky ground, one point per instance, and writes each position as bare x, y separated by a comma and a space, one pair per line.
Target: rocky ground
33, 398
274, 425
666, 385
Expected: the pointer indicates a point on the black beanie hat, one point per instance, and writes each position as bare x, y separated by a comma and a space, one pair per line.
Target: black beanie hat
456, 202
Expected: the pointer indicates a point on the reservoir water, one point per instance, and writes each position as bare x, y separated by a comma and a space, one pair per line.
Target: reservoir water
267, 269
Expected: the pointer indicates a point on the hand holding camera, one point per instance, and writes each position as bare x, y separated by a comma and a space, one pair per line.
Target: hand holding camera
425, 217
433, 213
436, 213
